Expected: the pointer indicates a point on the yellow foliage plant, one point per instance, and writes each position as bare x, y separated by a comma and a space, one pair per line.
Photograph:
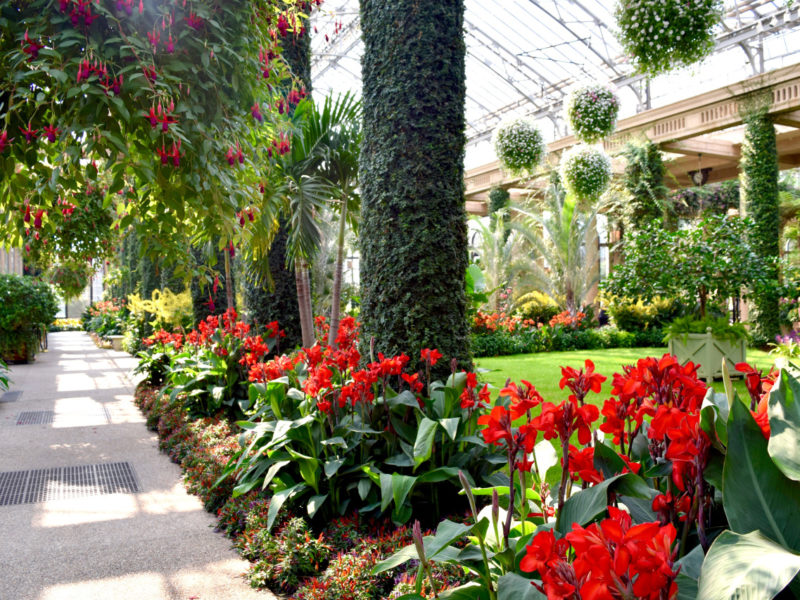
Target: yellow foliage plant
168, 309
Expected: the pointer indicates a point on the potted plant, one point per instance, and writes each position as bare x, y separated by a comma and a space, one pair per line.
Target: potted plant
29, 307
703, 265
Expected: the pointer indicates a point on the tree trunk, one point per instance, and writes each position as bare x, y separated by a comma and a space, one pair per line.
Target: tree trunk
229, 281
336, 294
304, 302
413, 233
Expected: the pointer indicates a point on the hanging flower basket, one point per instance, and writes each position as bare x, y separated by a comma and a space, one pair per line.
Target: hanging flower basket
585, 171
519, 146
661, 35
592, 113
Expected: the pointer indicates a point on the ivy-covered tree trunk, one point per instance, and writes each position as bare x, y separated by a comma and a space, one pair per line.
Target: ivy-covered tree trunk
279, 303
414, 230
759, 194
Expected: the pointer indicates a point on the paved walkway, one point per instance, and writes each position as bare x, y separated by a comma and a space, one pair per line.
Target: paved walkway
157, 544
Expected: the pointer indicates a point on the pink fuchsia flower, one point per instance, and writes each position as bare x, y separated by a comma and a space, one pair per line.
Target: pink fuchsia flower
51, 132
29, 133
256, 111
31, 47
5, 141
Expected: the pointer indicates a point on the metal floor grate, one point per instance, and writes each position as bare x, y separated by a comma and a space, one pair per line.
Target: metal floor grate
62, 483
36, 417
10, 396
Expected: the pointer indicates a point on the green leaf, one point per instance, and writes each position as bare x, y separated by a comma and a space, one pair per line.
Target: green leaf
588, 504
438, 474
690, 565
512, 586
450, 426
123, 110
470, 591
386, 490
278, 500
332, 466
116, 141
426, 433
755, 494
401, 486
784, 423
273, 470
447, 533
404, 398
315, 503
400, 557
746, 567
364, 486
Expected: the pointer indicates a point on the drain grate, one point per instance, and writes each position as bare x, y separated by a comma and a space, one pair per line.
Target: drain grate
36, 417
10, 396
62, 483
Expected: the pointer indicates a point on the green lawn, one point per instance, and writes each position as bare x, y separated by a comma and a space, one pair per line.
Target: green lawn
543, 369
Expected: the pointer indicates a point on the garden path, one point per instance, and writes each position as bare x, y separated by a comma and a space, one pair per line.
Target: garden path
82, 542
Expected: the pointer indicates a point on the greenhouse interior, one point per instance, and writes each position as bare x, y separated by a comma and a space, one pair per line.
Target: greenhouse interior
364, 300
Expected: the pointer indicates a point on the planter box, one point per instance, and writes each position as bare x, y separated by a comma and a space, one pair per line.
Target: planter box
116, 342
707, 351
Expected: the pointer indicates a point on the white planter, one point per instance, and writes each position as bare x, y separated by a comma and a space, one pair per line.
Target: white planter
707, 351
116, 342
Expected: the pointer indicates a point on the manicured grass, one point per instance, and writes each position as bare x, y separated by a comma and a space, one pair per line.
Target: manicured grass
543, 369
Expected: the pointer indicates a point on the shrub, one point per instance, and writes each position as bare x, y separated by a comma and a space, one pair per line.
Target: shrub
537, 306
29, 307
280, 561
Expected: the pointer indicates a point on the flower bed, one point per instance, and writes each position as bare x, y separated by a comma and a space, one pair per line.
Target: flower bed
495, 334
570, 487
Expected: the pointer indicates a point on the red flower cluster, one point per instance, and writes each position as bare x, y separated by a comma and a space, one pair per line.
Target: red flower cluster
643, 387
472, 398
611, 559
80, 11
489, 322
164, 337
159, 114
568, 320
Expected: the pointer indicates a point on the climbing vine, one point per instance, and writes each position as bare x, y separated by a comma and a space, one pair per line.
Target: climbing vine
414, 231
759, 192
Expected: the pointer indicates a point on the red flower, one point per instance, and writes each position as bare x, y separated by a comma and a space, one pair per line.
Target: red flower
430, 357
51, 131
581, 465
522, 399
256, 112
5, 141
761, 417
498, 424
581, 383
31, 47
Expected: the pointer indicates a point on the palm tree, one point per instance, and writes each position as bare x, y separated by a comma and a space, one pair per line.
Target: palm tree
314, 171
562, 236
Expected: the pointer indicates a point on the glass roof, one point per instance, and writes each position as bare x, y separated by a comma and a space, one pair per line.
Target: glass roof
524, 56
